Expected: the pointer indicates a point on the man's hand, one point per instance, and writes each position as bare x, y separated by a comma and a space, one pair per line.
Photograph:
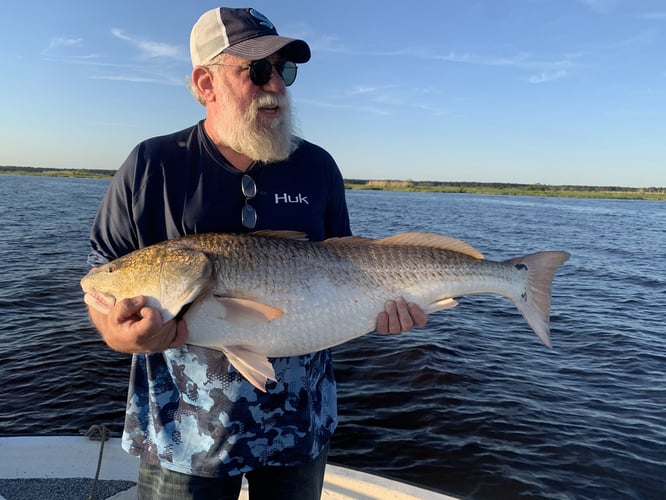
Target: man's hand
399, 316
132, 327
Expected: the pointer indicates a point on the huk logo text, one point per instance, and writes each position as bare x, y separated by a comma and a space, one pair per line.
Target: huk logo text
287, 198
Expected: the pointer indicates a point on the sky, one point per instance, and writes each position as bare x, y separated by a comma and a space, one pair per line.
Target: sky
563, 92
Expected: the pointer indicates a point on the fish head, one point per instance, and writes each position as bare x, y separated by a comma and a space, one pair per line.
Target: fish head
169, 277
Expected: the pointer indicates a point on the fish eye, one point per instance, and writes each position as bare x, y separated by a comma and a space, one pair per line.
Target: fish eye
110, 269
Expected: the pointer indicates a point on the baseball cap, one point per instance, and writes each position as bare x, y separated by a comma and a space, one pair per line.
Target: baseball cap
243, 33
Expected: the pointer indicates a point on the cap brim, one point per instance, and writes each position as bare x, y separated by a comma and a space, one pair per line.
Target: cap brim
261, 47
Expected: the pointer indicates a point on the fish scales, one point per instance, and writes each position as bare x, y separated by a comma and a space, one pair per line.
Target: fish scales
272, 294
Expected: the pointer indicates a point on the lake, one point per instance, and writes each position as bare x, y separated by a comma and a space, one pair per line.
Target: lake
472, 405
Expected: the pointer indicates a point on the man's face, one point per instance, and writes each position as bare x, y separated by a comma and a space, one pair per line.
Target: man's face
253, 120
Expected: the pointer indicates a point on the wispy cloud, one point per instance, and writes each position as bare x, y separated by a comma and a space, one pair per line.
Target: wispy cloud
544, 70
547, 77
519, 59
156, 79
61, 46
159, 63
59, 42
383, 100
344, 105
641, 39
433, 110
385, 96
155, 63
150, 49
369, 89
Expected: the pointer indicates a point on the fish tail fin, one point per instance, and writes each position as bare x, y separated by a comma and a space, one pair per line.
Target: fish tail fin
534, 300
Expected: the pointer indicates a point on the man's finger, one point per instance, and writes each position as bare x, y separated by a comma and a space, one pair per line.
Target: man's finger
382, 322
419, 317
127, 308
390, 308
404, 316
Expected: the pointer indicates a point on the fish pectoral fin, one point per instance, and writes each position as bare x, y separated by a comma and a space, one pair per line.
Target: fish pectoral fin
239, 309
253, 366
440, 305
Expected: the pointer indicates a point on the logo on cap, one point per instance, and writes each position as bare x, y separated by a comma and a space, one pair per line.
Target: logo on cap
262, 19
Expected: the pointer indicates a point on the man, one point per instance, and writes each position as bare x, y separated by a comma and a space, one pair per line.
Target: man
197, 425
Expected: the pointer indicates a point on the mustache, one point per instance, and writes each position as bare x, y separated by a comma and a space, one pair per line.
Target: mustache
270, 101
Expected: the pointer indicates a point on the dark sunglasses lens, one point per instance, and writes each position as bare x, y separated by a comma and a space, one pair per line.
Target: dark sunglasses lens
248, 213
249, 216
287, 70
248, 187
260, 71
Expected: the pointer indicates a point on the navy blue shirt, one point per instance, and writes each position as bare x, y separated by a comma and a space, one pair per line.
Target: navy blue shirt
188, 409
180, 184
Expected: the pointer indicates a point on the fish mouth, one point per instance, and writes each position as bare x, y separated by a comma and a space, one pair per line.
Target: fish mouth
100, 301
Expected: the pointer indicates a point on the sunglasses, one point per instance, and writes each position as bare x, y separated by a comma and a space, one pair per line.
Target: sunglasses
261, 71
248, 213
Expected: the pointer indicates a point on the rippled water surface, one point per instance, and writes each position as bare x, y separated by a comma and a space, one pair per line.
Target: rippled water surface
472, 405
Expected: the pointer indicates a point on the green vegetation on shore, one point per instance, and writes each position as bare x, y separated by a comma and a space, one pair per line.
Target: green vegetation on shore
651, 193
647, 193
58, 172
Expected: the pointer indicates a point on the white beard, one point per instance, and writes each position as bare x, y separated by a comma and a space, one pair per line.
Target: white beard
245, 133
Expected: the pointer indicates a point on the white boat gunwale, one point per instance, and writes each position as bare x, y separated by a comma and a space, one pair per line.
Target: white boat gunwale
61, 457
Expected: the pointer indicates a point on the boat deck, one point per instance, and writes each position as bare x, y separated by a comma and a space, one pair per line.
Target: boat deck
63, 467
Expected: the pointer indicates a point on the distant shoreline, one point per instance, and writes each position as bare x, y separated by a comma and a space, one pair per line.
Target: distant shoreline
58, 172
496, 188
611, 192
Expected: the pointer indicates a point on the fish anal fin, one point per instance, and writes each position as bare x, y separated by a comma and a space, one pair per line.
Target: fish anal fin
433, 241
237, 308
440, 305
254, 367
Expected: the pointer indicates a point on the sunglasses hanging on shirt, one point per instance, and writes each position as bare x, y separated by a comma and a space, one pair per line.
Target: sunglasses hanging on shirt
248, 213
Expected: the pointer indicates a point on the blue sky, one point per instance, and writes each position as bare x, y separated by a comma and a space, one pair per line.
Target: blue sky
526, 91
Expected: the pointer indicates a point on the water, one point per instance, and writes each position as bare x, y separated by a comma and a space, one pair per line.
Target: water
472, 405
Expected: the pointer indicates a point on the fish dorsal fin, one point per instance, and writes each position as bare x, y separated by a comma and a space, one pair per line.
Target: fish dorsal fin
434, 241
343, 240
285, 234
414, 239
